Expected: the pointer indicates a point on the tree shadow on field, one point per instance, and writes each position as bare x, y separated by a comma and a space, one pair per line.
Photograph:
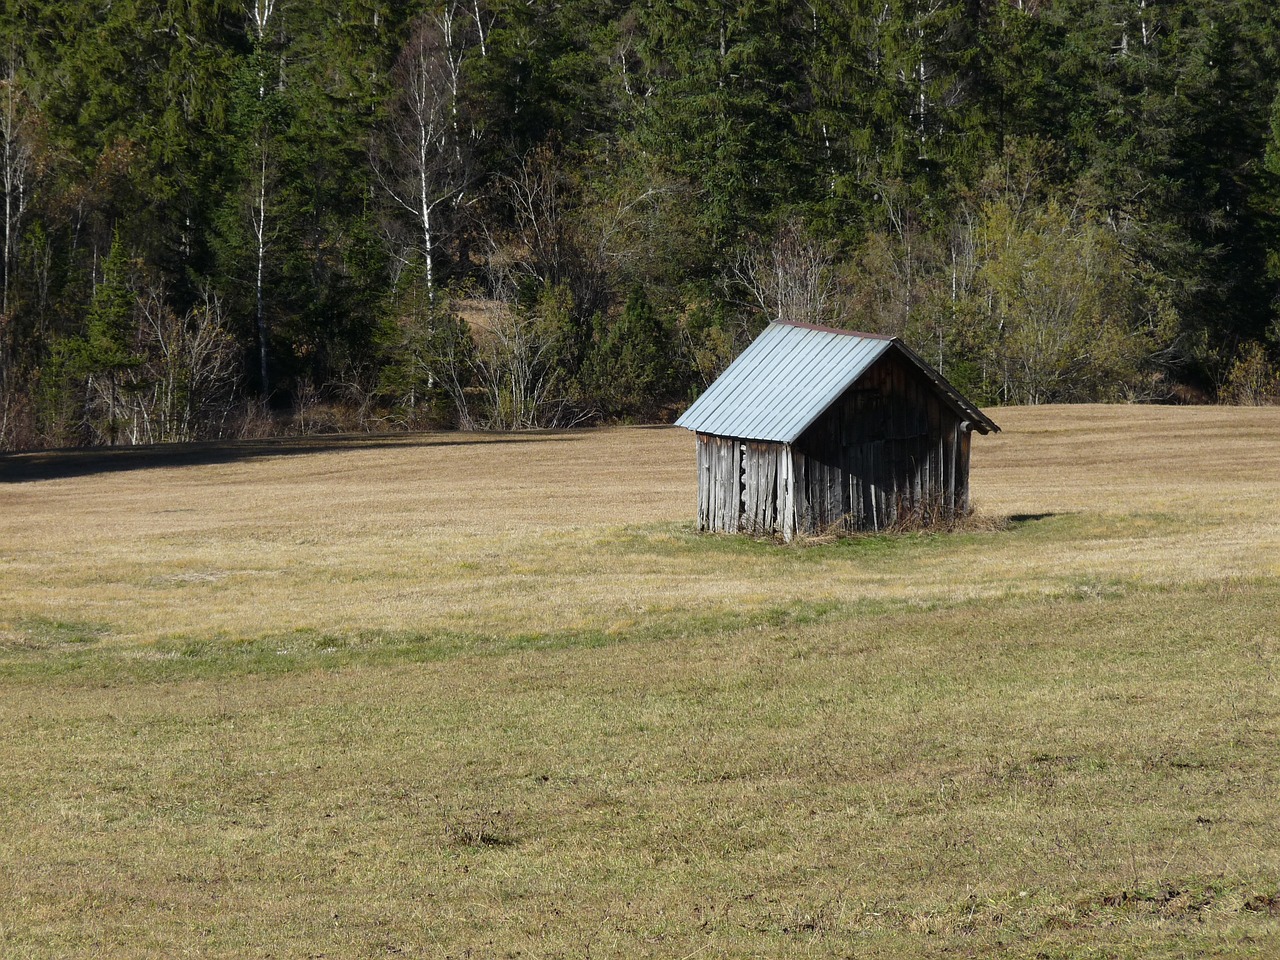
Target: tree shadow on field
65, 464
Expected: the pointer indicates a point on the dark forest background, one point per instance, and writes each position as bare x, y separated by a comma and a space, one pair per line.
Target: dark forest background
237, 218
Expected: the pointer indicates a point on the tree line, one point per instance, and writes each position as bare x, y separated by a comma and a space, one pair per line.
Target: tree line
220, 216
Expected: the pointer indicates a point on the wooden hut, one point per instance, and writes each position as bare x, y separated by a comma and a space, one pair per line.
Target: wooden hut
813, 429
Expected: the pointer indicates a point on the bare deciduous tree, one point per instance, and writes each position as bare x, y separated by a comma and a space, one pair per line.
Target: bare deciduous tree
513, 367
423, 158
182, 383
793, 278
260, 24
17, 167
189, 376
502, 374
550, 237
541, 243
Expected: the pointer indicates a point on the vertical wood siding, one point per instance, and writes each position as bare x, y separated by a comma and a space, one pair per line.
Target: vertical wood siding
888, 451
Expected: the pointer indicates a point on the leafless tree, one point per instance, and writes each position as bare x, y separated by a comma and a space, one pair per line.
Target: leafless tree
260, 15
513, 367
500, 373
183, 383
793, 278
423, 157
540, 244
562, 233
17, 166
188, 379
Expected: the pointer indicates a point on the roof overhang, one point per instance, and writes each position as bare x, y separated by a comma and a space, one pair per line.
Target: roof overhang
790, 376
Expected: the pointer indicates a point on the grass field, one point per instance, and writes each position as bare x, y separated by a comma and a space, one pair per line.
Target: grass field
490, 696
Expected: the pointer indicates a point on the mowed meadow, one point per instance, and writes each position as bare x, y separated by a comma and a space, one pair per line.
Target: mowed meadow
465, 695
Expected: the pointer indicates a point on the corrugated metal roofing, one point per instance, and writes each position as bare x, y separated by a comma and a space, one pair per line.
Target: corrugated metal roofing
790, 375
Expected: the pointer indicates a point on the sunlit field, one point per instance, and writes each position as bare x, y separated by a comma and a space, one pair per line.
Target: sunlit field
491, 696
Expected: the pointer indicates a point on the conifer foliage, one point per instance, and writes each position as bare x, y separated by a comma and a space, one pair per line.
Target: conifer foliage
516, 213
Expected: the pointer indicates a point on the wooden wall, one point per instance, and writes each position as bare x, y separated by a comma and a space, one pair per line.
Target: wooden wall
889, 451
743, 486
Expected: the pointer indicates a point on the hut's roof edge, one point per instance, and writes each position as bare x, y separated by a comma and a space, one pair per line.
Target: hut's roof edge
792, 373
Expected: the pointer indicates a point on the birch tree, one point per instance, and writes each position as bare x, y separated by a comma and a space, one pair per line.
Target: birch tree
422, 159
261, 15
17, 168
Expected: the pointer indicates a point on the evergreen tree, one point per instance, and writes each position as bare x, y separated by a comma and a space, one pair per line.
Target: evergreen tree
631, 362
725, 83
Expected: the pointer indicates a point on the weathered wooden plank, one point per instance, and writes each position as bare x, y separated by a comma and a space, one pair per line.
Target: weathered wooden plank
953, 442
769, 488
735, 500
703, 483
819, 508
786, 484
940, 476
798, 499
717, 495
756, 453
709, 473
894, 491
727, 486
701, 445
836, 493
751, 495
810, 504
765, 493
874, 499
744, 486
717, 456
714, 457
760, 468
860, 485
916, 467
818, 505
800, 481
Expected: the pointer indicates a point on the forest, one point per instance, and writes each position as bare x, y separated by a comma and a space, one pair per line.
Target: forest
233, 218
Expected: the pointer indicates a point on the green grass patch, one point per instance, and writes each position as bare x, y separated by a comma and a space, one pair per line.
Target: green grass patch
1040, 776
45, 634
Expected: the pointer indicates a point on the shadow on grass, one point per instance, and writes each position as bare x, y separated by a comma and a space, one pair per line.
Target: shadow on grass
1019, 518
64, 464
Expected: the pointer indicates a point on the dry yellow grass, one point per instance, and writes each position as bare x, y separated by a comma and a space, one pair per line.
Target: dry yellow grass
489, 696
584, 530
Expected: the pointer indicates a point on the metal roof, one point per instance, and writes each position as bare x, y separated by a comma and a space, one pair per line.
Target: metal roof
791, 374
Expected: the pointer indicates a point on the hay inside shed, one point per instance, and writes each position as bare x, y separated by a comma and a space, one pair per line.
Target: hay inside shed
813, 429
